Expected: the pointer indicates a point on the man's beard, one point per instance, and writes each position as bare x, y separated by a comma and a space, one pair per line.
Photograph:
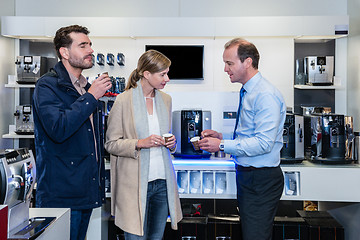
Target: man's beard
80, 63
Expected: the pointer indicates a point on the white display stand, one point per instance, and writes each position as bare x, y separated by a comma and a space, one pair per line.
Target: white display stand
60, 228
335, 187
98, 226
315, 182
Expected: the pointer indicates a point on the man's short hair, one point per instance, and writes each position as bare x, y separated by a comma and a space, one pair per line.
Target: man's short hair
245, 50
62, 37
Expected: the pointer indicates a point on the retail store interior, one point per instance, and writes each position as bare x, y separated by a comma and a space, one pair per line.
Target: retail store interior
309, 50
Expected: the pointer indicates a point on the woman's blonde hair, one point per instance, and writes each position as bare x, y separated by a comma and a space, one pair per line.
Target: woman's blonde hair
152, 61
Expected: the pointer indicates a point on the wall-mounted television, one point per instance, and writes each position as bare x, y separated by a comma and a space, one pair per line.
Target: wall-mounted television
187, 61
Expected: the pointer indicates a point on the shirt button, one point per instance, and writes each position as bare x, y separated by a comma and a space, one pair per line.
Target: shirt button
72, 163
87, 103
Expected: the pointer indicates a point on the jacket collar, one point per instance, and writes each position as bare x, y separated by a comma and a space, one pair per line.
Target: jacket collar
64, 78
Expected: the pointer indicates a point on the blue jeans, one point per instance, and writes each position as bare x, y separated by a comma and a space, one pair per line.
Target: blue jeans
156, 212
79, 222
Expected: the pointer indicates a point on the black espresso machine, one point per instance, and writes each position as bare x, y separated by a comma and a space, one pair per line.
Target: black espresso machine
331, 138
293, 139
17, 180
187, 124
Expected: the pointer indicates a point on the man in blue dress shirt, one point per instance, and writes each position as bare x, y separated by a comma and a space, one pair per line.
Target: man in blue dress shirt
257, 141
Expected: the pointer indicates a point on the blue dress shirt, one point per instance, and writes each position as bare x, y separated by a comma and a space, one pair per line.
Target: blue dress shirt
260, 128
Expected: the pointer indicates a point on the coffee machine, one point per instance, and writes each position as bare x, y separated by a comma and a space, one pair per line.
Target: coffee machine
307, 111
24, 121
293, 139
329, 139
319, 70
17, 180
187, 124
30, 68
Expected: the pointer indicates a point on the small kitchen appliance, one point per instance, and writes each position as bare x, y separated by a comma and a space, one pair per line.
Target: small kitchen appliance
293, 139
329, 139
319, 70
17, 180
30, 68
24, 121
187, 124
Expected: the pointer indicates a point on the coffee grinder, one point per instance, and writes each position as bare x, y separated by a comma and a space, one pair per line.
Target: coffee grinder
187, 124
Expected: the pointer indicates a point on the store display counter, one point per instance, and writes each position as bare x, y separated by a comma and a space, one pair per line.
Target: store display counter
215, 178
57, 230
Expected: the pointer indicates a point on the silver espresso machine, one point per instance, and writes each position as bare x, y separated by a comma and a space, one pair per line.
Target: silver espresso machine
293, 139
307, 111
187, 124
319, 70
30, 68
24, 122
17, 180
332, 138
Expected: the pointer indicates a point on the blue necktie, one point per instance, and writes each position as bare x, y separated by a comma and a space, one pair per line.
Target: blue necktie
242, 92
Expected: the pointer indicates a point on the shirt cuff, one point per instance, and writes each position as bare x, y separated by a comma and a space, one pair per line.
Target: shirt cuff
230, 146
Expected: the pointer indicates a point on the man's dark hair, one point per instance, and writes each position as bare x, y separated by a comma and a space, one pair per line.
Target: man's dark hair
62, 37
245, 50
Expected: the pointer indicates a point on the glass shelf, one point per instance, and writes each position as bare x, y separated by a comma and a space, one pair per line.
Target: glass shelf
308, 87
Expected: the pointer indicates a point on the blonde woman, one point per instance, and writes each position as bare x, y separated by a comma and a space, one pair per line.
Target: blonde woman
143, 185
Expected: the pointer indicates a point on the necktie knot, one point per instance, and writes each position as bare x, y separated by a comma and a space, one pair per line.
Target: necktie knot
242, 92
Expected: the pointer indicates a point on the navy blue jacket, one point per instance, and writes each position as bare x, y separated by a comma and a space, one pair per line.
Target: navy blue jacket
68, 174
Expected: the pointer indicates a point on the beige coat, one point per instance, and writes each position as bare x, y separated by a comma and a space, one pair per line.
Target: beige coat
129, 167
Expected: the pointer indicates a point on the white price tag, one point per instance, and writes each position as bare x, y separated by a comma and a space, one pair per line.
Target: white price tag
36, 70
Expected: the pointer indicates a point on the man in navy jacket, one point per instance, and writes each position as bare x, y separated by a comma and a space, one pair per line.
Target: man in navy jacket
68, 132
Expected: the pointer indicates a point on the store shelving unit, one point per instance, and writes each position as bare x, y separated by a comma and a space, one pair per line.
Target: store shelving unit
13, 84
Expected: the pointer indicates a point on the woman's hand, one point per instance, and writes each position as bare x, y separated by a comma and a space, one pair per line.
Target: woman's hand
171, 142
151, 141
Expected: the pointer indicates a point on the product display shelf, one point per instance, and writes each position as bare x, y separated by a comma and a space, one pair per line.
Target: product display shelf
16, 86
303, 181
212, 178
310, 87
16, 136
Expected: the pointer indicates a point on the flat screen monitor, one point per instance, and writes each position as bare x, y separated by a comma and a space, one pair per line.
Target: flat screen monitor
187, 61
